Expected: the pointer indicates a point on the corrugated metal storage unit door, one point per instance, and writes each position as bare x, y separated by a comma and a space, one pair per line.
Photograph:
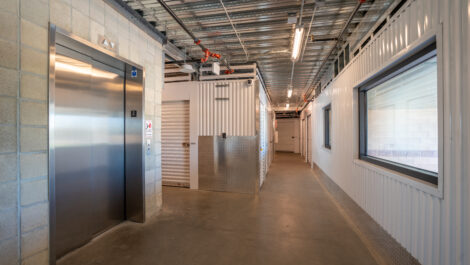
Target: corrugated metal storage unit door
175, 143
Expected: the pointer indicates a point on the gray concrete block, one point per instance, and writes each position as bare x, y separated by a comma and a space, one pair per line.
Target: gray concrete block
8, 195
34, 216
8, 165
33, 86
8, 223
61, 14
34, 191
7, 110
33, 165
34, 35
34, 61
9, 251
8, 26
9, 81
97, 11
33, 139
10, 6
36, 11
33, 113
82, 5
9, 54
80, 24
7, 139
96, 31
41, 258
34, 242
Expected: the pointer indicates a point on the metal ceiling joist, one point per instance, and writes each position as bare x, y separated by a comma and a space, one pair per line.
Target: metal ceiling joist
266, 35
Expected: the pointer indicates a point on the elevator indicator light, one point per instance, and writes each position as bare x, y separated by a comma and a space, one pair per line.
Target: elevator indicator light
134, 72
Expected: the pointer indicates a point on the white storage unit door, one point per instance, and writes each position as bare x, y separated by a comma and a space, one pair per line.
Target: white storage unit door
263, 144
286, 132
309, 139
175, 143
303, 133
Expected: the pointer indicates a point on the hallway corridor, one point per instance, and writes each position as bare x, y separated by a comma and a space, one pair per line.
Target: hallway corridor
294, 220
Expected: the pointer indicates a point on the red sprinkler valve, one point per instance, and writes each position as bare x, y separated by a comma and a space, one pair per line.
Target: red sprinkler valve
227, 72
207, 53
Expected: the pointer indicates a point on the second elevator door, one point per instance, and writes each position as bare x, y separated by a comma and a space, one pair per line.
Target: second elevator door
89, 149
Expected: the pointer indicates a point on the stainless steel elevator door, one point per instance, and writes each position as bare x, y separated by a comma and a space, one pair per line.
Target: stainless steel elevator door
89, 149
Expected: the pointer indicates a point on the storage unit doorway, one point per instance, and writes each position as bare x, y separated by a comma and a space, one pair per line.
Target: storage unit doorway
175, 143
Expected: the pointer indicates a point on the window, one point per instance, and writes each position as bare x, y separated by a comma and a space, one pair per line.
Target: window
336, 68
327, 126
341, 61
399, 117
346, 55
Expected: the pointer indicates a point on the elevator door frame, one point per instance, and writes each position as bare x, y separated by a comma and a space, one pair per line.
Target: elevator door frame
134, 190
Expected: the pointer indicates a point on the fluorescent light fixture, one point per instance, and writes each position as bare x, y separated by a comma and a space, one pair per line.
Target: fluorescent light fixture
299, 33
287, 105
289, 92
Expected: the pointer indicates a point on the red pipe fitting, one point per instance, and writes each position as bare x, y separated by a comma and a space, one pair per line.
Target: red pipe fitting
227, 72
197, 42
206, 56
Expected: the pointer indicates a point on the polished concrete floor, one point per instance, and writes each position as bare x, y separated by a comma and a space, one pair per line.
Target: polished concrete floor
293, 220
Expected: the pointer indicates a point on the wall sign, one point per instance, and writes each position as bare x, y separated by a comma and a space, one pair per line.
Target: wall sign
148, 129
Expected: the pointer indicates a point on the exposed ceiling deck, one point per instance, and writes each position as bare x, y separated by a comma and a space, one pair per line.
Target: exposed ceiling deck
267, 37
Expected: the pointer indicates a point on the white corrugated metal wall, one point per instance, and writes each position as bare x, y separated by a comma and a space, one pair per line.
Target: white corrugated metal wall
265, 133
434, 229
227, 107
175, 143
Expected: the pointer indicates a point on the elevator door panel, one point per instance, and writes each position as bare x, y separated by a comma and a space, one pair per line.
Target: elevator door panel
89, 150
107, 161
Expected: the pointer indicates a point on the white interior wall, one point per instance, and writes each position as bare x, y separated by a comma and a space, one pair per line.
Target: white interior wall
431, 223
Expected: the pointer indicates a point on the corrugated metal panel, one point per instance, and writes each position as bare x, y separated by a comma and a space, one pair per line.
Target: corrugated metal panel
175, 135
263, 144
227, 107
435, 230
309, 139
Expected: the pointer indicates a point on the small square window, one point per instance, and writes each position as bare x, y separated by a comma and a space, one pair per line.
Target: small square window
327, 126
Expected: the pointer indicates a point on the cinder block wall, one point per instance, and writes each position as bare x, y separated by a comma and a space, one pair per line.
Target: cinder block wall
24, 206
